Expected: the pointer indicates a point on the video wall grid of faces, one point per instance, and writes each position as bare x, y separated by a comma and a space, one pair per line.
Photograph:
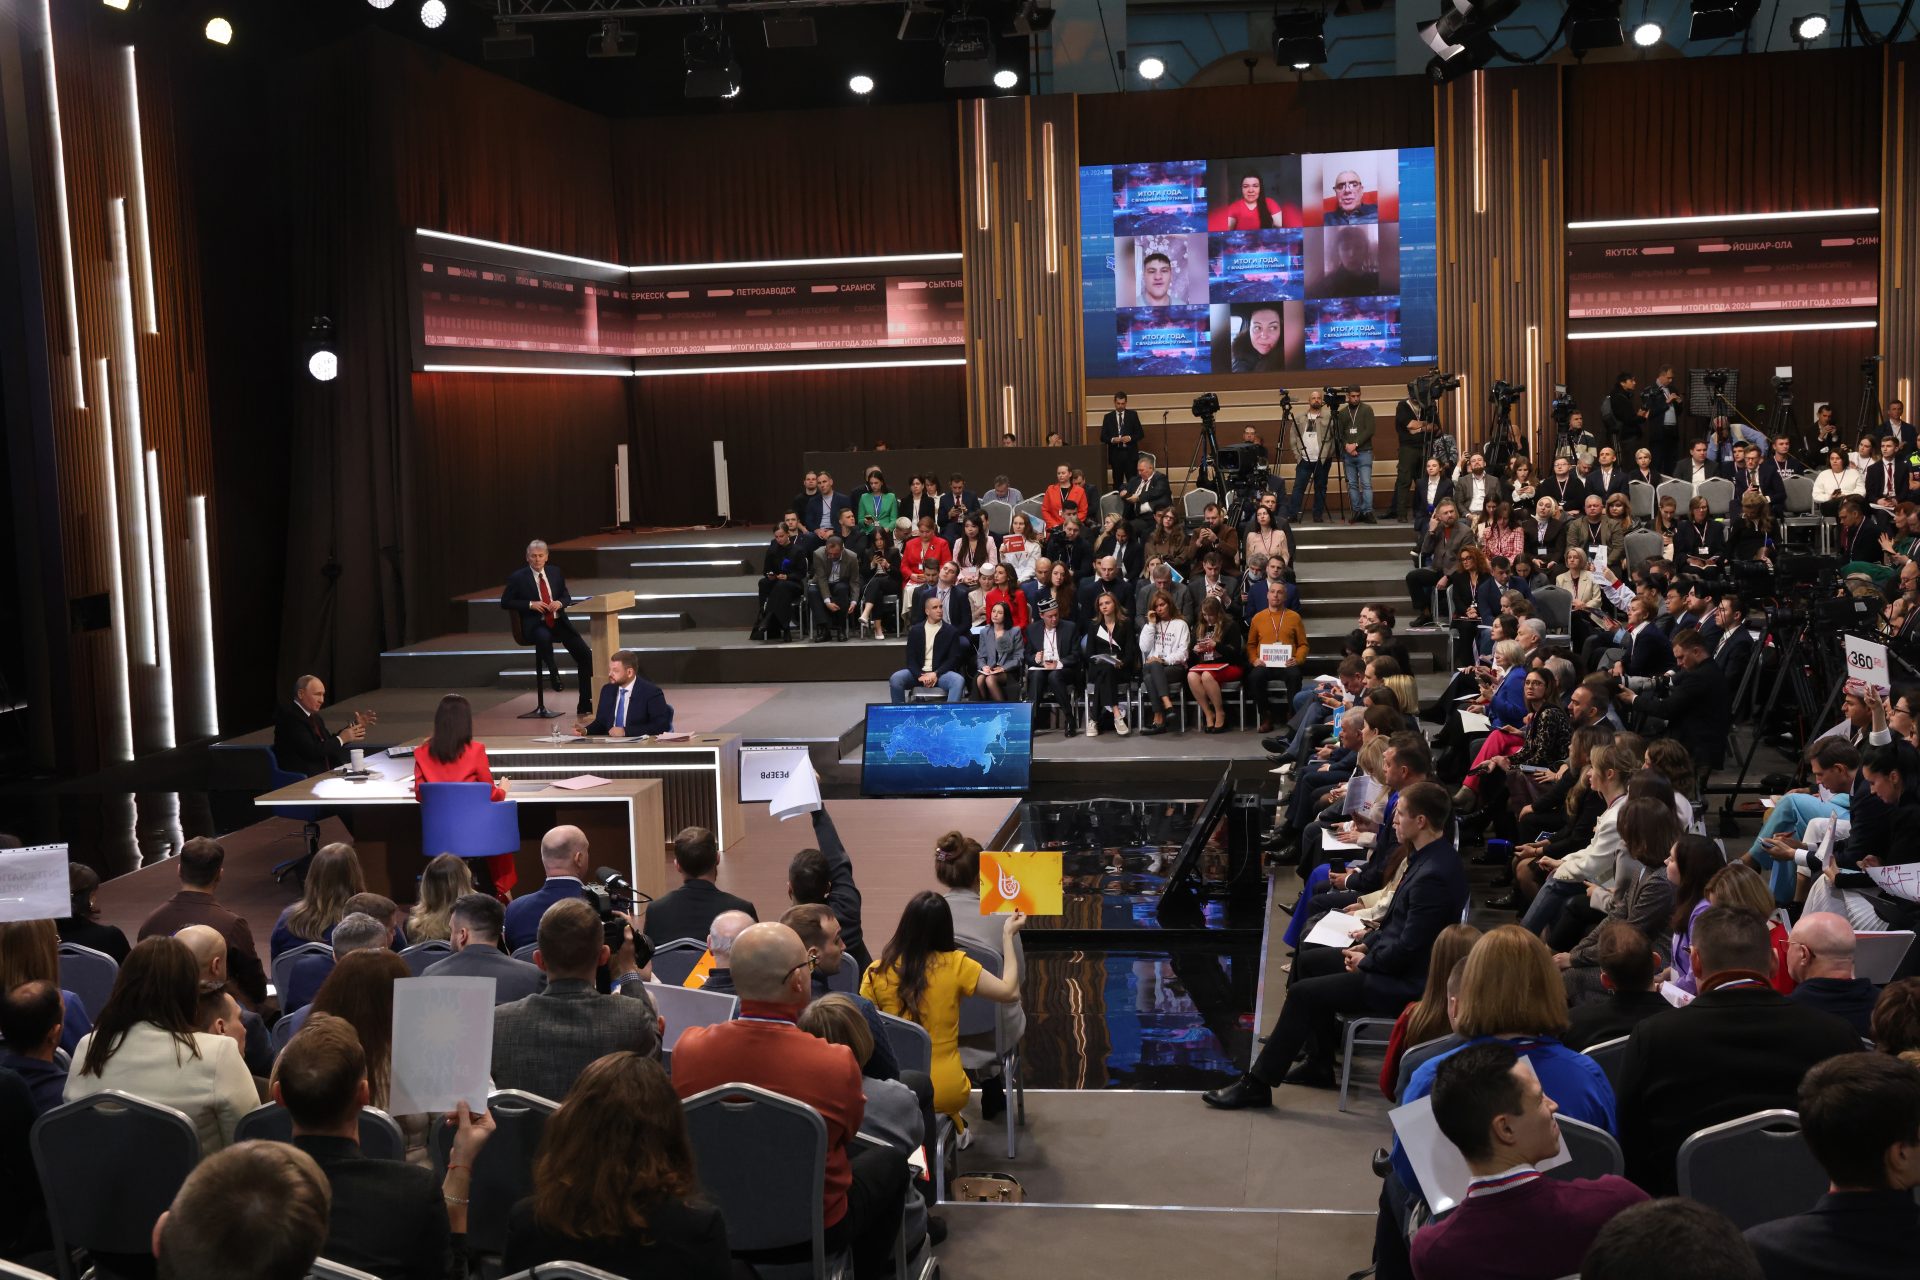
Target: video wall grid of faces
1266, 264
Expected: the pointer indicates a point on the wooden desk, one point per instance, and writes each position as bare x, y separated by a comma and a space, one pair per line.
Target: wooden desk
624, 821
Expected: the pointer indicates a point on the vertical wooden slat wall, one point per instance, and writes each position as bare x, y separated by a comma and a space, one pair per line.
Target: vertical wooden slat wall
146, 681
1019, 232
1502, 246
1900, 224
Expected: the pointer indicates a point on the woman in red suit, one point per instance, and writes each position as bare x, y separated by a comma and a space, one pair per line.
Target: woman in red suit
451, 755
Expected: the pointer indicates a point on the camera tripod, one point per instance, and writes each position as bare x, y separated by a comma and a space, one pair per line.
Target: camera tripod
1803, 648
1337, 472
1867, 420
1203, 466
1501, 444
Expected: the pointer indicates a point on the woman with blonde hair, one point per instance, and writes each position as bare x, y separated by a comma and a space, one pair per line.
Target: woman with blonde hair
332, 878
1738, 885
446, 879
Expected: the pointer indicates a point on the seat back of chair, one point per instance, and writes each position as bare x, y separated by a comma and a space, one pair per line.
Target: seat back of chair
673, 961
1640, 497
1719, 495
1034, 509
525, 952
89, 974
683, 1007
979, 1015
1595, 1153
283, 963
518, 622
1112, 504
1799, 494
110, 1204
1193, 504
503, 1171
1641, 546
562, 1271
1609, 1054
1420, 1053
324, 1270
847, 977
763, 1158
380, 1136
999, 515
1554, 605
1680, 491
1755, 1169
912, 1046
422, 955
461, 818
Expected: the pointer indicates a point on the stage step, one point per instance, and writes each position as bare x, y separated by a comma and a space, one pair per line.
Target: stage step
660, 604
698, 656
665, 554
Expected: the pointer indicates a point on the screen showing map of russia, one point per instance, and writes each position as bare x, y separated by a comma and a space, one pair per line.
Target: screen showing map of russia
947, 748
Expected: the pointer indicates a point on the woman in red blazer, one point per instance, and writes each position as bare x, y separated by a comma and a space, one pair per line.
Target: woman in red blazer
451, 755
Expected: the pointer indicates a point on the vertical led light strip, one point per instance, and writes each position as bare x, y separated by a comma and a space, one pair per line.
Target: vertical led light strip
980, 160
1007, 422
60, 214
128, 374
1053, 205
200, 590
1479, 142
162, 631
1533, 380
120, 695
141, 229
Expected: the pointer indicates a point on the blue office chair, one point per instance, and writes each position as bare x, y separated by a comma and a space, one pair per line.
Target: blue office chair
312, 815
461, 818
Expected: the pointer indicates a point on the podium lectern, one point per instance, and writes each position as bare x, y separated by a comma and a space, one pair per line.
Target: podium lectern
605, 612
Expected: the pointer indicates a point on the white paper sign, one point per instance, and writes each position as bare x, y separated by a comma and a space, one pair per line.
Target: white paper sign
1678, 997
1902, 881
1360, 794
1276, 655
442, 1045
763, 770
1474, 722
1335, 929
1438, 1166
799, 793
1867, 665
33, 883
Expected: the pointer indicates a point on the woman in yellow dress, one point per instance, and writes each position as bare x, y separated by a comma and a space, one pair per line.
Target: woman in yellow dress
922, 977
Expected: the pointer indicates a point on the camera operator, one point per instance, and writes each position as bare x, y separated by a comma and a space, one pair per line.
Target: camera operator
1413, 420
1698, 706
1315, 445
1629, 418
1662, 413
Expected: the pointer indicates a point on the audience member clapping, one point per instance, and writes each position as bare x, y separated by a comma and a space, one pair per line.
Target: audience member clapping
145, 1044
257, 1211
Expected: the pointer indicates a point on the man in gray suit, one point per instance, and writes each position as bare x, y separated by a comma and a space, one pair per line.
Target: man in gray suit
476, 922
543, 1042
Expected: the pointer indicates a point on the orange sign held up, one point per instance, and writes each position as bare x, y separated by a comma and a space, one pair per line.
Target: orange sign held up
1028, 882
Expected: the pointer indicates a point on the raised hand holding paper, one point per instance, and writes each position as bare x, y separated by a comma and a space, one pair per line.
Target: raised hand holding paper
442, 1044
798, 793
33, 883
1028, 882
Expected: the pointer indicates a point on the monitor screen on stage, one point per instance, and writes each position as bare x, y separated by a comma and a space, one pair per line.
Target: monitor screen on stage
1775, 269
1265, 264
947, 749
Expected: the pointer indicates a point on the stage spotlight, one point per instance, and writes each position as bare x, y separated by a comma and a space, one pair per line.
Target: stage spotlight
1809, 27
121, 5
1152, 68
219, 30
381, 4
1593, 24
1464, 20
1005, 79
1031, 18
323, 362
1720, 19
966, 49
433, 13
1299, 37
711, 69
862, 85
1647, 34
1302, 66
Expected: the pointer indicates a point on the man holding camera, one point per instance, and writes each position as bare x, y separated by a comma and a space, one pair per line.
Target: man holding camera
1315, 435
1353, 433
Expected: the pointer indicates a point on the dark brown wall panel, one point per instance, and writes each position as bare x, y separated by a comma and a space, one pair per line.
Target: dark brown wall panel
1256, 120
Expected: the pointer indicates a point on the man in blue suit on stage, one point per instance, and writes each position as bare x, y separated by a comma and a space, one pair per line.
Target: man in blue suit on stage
538, 594
630, 704
565, 857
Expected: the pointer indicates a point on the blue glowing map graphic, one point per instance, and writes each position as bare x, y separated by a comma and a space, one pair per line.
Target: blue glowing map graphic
944, 748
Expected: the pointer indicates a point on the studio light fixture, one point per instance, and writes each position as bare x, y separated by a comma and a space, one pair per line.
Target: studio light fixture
381, 4
1648, 34
1299, 37
613, 40
323, 362
966, 50
433, 14
1462, 37
1152, 68
1031, 18
1720, 19
1593, 24
219, 30
121, 5
1809, 27
711, 69
862, 85
1005, 78
1302, 66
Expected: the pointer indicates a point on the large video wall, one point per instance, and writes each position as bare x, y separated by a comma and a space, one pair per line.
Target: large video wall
1266, 264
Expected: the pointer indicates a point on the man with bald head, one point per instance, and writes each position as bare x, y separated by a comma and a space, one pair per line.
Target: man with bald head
1820, 960
209, 948
727, 926
565, 858
865, 1189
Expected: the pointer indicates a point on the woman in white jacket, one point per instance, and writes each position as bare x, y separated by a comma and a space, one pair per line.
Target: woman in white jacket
1609, 772
143, 1043
1165, 645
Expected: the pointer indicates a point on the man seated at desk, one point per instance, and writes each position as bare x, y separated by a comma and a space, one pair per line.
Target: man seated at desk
302, 743
630, 704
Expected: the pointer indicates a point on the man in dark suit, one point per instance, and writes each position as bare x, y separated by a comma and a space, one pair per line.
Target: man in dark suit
1053, 660
565, 858
956, 601
1820, 961
1698, 710
302, 743
631, 706
956, 504
537, 594
833, 587
387, 1217
1146, 495
1105, 580
1860, 1116
199, 865
1564, 486
825, 875
1120, 432
1739, 1048
476, 924
1750, 472
1629, 971
1379, 975
1887, 478
543, 1043
1699, 468
934, 654
1608, 477
1627, 417
688, 912
822, 511
1647, 652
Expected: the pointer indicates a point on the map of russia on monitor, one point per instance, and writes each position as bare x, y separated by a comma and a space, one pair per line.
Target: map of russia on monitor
947, 748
